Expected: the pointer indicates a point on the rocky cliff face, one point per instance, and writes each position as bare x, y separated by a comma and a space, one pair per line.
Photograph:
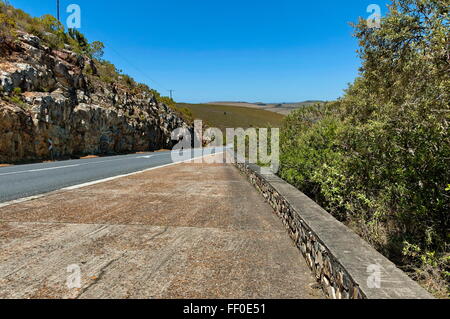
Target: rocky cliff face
46, 95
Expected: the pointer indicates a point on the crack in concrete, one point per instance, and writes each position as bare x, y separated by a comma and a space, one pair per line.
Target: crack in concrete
159, 234
103, 269
102, 227
99, 277
14, 271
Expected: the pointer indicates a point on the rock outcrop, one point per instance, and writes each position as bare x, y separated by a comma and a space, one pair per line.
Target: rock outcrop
46, 95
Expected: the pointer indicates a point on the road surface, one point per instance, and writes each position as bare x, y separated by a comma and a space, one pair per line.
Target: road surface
182, 231
29, 180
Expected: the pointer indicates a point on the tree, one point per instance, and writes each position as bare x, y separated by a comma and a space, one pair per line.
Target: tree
82, 42
97, 50
378, 158
51, 24
53, 31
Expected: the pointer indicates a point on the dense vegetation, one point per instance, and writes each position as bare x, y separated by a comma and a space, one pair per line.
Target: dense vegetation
54, 35
379, 158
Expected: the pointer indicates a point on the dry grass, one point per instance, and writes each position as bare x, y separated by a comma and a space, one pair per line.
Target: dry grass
226, 116
431, 279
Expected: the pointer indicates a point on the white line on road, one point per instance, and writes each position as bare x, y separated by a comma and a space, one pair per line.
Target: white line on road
26, 199
40, 169
75, 165
92, 163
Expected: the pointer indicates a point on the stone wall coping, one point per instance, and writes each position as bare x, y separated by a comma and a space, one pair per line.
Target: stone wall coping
351, 253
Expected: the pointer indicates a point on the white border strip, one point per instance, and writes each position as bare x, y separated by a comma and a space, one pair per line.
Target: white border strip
27, 199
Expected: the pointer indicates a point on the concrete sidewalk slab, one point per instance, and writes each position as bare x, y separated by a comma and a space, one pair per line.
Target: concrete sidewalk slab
185, 231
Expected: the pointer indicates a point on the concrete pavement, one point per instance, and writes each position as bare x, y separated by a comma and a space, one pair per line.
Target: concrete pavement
184, 231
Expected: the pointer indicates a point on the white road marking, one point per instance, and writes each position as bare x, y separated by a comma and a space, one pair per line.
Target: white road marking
75, 165
40, 169
26, 199
90, 163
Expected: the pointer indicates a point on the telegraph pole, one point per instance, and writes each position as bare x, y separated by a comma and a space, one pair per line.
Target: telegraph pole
171, 91
57, 10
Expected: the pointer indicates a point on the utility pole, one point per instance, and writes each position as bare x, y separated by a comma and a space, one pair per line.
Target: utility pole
57, 10
171, 91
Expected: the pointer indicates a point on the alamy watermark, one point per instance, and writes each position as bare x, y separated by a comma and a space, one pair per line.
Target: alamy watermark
256, 146
374, 278
374, 20
73, 20
74, 277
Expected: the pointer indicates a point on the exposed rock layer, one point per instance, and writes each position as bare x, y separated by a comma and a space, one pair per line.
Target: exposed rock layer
78, 113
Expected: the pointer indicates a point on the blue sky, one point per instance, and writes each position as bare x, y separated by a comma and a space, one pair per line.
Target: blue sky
210, 50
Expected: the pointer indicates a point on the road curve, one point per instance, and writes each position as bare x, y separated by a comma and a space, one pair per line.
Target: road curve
21, 181
191, 231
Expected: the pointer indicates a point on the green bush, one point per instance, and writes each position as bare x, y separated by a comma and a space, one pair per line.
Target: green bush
7, 26
53, 32
96, 50
17, 91
49, 29
107, 71
78, 41
379, 158
181, 111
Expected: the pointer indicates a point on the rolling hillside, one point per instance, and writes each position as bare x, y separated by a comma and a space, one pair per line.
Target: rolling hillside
225, 116
281, 108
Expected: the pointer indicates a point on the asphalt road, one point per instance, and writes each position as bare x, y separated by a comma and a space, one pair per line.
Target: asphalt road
191, 231
34, 179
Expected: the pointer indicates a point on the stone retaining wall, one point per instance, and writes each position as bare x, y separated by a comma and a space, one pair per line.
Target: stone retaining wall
346, 266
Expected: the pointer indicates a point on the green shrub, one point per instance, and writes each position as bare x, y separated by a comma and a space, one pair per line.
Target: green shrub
183, 112
96, 50
53, 32
167, 101
17, 91
77, 41
7, 26
16, 100
107, 71
378, 159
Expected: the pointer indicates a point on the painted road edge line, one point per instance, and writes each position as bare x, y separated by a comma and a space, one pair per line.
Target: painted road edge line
30, 198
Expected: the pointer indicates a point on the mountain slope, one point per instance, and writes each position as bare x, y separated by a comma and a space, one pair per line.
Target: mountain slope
226, 116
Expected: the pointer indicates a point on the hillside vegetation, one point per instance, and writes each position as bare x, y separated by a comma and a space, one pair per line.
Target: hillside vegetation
53, 34
56, 89
281, 108
379, 158
226, 116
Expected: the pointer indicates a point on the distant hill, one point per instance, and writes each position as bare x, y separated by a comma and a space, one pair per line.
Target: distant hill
229, 116
283, 108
